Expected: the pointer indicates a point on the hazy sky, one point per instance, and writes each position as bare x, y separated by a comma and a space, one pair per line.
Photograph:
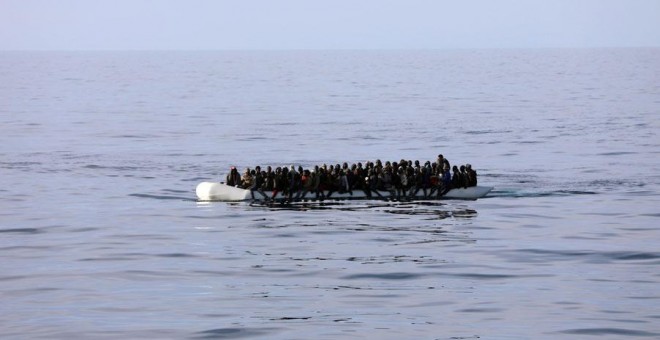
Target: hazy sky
310, 24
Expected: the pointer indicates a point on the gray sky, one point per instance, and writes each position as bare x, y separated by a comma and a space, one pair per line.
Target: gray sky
336, 24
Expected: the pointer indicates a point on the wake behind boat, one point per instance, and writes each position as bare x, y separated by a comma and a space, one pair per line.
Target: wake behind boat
215, 191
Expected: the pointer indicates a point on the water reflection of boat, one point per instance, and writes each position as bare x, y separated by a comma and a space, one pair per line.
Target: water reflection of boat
214, 191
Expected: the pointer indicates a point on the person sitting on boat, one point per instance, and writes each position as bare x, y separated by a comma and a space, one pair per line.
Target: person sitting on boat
284, 181
434, 180
472, 175
307, 184
278, 183
401, 185
294, 181
233, 178
350, 177
342, 180
269, 179
257, 183
321, 179
422, 180
246, 179
456, 178
445, 182
317, 178
384, 181
358, 177
396, 180
373, 181
466, 178
331, 181
411, 179
427, 172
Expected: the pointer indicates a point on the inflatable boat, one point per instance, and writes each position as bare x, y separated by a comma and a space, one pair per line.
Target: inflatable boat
215, 191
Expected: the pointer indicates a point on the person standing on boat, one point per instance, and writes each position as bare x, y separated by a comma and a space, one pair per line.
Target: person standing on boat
443, 162
233, 178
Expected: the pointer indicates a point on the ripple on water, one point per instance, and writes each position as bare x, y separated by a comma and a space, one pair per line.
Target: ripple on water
384, 276
235, 333
29, 231
548, 255
610, 331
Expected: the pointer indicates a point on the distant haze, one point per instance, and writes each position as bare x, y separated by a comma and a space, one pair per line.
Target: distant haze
337, 24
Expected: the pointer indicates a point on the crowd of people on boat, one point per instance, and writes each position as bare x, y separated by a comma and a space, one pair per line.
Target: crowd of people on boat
401, 180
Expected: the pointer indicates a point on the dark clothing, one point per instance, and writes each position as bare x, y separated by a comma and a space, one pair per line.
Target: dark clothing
256, 185
281, 183
472, 178
269, 183
457, 180
233, 178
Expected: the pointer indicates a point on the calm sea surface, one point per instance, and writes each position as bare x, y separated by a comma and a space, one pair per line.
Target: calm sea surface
101, 234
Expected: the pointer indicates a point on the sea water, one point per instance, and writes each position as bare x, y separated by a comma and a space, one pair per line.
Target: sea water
101, 234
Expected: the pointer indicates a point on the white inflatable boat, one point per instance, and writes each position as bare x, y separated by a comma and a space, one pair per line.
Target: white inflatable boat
215, 191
